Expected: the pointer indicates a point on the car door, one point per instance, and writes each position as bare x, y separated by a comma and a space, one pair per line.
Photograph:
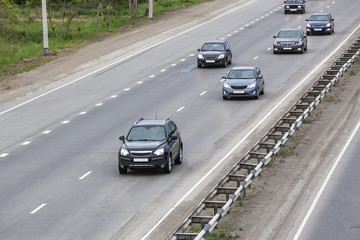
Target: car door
228, 51
260, 79
173, 142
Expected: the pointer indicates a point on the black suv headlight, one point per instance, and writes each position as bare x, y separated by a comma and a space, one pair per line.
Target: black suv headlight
124, 152
159, 152
299, 43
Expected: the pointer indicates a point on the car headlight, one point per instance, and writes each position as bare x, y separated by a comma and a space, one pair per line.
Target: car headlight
226, 85
276, 43
299, 6
299, 43
221, 56
159, 152
287, 7
308, 25
124, 152
200, 56
327, 25
251, 85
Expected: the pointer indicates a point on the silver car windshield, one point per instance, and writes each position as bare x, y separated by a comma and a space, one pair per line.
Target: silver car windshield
289, 34
242, 74
146, 133
213, 47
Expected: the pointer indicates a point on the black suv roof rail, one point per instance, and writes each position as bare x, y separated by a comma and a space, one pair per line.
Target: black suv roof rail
139, 120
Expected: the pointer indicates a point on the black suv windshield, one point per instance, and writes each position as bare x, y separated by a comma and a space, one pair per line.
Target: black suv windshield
241, 74
289, 34
146, 133
213, 47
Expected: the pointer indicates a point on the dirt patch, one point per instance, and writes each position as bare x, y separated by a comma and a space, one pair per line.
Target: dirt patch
273, 203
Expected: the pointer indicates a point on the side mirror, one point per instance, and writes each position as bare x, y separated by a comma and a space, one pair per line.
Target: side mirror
284, 1
224, 77
198, 49
274, 36
260, 75
173, 137
305, 36
122, 138
332, 19
306, 20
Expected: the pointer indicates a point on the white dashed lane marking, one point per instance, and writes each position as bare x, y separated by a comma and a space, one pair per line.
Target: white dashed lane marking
255, 57
65, 122
113, 96
4, 155
180, 109
151, 76
47, 132
127, 89
99, 104
85, 175
202, 93
82, 113
25, 143
38, 208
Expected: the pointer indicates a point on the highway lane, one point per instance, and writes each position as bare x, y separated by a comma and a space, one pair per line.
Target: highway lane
334, 211
101, 107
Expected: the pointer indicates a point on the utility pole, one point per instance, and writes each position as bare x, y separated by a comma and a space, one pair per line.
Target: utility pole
151, 5
45, 27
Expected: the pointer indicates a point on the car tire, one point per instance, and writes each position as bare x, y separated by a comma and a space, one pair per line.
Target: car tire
230, 62
168, 166
275, 52
225, 63
199, 65
180, 157
225, 97
122, 170
285, 12
263, 89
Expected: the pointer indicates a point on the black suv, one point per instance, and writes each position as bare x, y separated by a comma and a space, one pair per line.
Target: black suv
294, 6
151, 144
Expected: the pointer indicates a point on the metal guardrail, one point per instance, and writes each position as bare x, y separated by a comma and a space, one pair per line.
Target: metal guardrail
234, 183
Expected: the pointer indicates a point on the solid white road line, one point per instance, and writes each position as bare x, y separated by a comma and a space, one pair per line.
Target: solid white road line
85, 175
318, 195
247, 135
38, 208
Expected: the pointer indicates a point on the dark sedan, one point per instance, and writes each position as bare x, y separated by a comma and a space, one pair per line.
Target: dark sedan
294, 6
290, 40
214, 53
320, 23
243, 82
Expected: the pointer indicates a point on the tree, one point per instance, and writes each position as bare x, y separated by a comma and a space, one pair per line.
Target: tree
6, 10
133, 5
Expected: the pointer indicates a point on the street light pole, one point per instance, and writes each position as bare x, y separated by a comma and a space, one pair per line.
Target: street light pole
151, 4
45, 27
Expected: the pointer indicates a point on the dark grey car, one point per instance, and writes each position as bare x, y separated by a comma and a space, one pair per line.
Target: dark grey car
214, 53
290, 40
294, 6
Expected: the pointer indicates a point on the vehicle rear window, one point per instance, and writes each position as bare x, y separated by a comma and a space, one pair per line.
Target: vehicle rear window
146, 133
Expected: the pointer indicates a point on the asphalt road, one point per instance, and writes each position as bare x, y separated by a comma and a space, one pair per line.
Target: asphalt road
58, 146
334, 212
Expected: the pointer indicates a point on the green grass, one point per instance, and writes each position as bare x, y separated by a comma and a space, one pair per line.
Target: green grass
21, 38
221, 236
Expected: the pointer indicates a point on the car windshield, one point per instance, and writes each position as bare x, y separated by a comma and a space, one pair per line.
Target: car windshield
241, 74
289, 34
213, 47
319, 18
295, 1
146, 133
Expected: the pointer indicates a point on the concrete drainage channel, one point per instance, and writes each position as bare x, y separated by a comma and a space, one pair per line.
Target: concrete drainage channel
218, 202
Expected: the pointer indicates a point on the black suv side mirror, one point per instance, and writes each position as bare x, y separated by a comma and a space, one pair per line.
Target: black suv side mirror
122, 138
173, 137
